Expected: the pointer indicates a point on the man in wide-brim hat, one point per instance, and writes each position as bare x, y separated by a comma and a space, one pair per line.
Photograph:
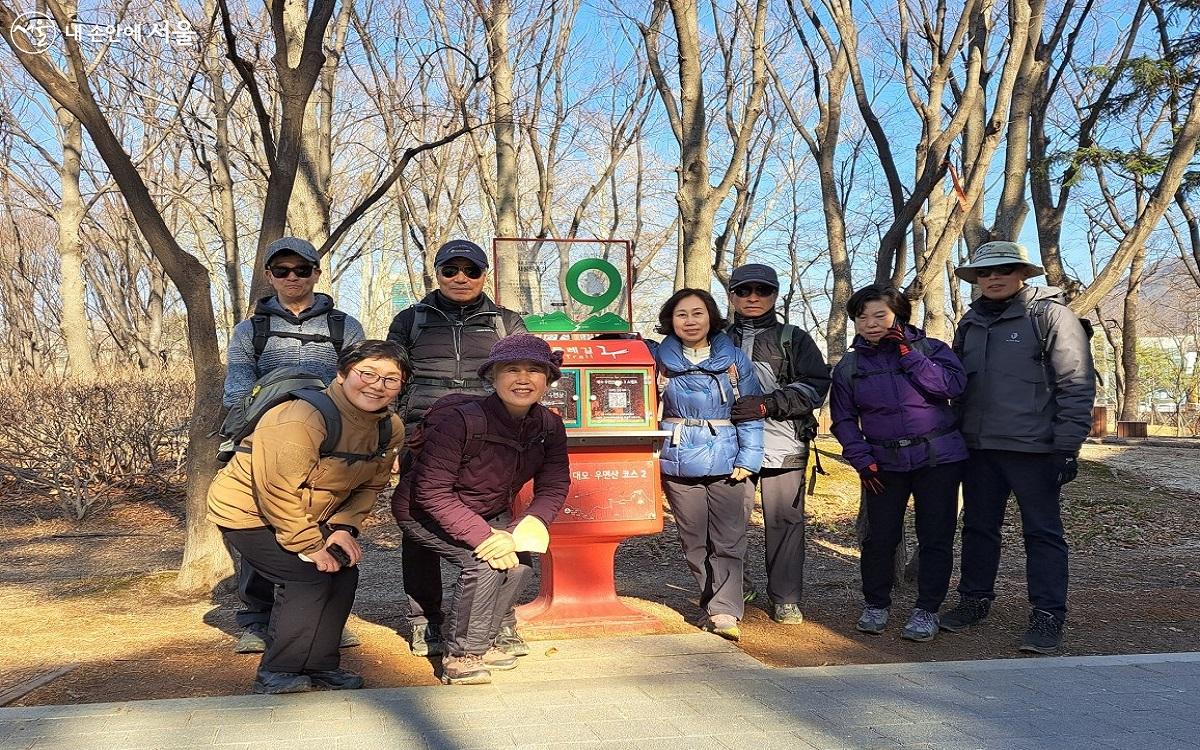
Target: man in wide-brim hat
1025, 413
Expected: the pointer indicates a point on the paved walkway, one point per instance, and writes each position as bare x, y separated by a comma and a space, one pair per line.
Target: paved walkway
690, 691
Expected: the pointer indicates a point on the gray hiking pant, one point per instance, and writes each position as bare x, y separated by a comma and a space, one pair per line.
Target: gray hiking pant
783, 524
711, 516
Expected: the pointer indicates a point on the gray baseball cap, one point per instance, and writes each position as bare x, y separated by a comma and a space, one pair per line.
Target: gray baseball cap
997, 253
294, 245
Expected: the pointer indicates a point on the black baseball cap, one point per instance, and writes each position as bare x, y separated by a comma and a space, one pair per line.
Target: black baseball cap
461, 249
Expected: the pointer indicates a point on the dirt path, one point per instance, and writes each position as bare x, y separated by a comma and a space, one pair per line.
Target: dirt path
97, 595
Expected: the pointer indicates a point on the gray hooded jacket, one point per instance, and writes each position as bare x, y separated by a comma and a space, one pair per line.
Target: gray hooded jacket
1016, 399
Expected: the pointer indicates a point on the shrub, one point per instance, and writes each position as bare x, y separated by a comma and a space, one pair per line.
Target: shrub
80, 439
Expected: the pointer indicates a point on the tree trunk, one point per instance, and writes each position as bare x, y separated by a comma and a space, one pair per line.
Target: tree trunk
69, 217
504, 132
1129, 339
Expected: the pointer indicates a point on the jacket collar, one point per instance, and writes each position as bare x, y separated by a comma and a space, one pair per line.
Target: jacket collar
322, 303
670, 354
438, 301
494, 406
766, 320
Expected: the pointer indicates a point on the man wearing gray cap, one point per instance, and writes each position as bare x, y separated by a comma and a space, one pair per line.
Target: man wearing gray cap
795, 381
293, 327
447, 335
1025, 413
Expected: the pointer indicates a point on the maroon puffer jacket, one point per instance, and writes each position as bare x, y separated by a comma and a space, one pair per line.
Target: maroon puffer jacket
441, 490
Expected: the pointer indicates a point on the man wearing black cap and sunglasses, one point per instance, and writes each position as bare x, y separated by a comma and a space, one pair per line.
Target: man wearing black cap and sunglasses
795, 381
293, 327
447, 335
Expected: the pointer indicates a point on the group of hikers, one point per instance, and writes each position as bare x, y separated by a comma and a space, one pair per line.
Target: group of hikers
450, 402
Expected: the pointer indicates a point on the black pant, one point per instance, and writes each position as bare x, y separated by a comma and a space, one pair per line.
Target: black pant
257, 595
711, 514
783, 524
935, 494
310, 609
1032, 478
483, 596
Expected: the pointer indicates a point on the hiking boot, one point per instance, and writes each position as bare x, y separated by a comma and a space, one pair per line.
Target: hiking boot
966, 613
510, 642
252, 641
725, 626
349, 639
788, 614
497, 659
426, 640
465, 670
278, 683
873, 620
1044, 634
336, 679
922, 626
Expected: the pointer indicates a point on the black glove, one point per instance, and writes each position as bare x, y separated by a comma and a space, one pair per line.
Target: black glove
895, 337
871, 482
748, 408
1066, 467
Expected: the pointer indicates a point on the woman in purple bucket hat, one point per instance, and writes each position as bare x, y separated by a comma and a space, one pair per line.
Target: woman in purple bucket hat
471, 455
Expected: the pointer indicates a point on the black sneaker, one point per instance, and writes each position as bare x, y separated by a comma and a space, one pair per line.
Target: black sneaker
278, 683
426, 640
966, 613
336, 679
510, 642
1044, 634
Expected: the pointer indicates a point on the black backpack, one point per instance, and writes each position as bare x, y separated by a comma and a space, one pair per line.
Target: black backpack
280, 386
262, 331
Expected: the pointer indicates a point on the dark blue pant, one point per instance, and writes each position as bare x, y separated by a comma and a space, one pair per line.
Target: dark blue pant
935, 496
991, 476
257, 595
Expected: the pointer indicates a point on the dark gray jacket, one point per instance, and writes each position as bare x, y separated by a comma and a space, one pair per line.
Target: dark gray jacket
1016, 399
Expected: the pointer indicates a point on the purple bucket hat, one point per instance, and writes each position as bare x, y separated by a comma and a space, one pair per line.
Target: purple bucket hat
524, 347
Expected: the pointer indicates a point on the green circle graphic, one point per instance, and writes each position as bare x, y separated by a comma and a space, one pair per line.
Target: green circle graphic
597, 301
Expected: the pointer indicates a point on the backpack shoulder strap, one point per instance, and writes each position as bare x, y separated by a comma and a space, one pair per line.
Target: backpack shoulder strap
849, 361
337, 329
787, 332
262, 331
419, 317
732, 372
333, 419
501, 327
476, 422
385, 436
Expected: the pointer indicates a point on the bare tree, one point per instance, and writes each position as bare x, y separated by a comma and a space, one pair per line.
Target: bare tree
687, 113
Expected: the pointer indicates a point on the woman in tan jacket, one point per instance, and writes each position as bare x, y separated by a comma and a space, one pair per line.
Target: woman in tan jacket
293, 512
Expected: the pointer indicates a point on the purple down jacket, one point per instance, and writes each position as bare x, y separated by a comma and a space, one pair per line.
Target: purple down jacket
895, 411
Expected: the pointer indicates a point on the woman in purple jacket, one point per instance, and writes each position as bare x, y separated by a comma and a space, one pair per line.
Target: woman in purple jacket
470, 457
891, 412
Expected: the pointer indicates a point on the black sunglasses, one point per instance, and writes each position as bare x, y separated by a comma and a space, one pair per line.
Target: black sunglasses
986, 271
748, 289
450, 271
281, 272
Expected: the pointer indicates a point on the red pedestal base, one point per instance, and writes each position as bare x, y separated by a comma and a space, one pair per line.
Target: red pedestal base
579, 592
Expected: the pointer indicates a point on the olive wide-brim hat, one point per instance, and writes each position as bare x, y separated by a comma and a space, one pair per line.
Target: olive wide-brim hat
997, 254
